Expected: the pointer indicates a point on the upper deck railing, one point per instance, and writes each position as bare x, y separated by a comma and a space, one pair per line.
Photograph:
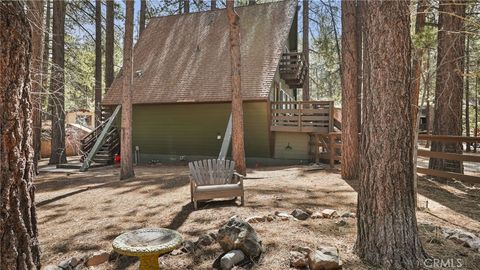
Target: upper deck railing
302, 116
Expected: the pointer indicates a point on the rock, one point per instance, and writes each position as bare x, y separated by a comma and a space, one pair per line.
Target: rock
256, 219
316, 215
51, 267
474, 244
238, 234
205, 240
213, 235
341, 223
270, 218
113, 256
300, 214
298, 260
97, 258
231, 258
176, 252
329, 213
284, 216
348, 215
68, 264
188, 247
324, 258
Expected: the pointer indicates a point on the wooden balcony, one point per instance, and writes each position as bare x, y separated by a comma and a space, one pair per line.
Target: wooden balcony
293, 69
303, 116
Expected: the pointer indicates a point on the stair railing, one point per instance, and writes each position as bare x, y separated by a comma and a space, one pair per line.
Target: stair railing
100, 140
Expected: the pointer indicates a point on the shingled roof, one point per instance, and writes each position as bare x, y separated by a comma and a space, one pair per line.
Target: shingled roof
185, 58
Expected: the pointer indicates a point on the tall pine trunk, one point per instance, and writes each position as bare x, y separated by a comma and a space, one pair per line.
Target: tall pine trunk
213, 4
57, 85
35, 17
186, 6
126, 171
109, 43
350, 89
306, 52
19, 248
238, 144
420, 20
449, 82
467, 92
141, 22
387, 234
98, 62
46, 48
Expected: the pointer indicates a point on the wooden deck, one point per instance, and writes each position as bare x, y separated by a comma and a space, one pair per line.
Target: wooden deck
302, 116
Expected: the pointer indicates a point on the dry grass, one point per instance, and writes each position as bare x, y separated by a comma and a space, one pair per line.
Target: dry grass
82, 213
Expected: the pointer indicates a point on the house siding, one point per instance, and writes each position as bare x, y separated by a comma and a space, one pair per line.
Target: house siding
291, 145
192, 129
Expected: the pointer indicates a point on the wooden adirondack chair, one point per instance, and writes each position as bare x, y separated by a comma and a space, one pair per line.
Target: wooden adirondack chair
214, 178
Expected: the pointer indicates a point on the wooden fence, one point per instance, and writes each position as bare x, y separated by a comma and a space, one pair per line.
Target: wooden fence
449, 156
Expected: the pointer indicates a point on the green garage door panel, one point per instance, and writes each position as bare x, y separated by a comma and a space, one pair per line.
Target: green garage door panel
192, 129
291, 145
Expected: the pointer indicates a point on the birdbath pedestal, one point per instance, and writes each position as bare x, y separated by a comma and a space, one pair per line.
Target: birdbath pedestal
147, 245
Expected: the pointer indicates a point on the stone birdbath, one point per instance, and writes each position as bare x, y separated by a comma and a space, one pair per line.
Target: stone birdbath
147, 245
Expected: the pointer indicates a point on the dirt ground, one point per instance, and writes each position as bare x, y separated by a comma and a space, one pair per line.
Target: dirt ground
80, 213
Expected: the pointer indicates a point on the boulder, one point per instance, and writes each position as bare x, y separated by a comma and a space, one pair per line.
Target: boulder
324, 258
256, 219
300, 214
298, 260
238, 234
231, 258
97, 258
329, 213
474, 244
316, 215
303, 250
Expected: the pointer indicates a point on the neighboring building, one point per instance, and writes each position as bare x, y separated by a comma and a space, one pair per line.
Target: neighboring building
81, 117
182, 87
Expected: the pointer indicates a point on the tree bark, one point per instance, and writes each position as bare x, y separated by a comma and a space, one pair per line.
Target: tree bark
35, 17
213, 4
467, 92
143, 9
449, 82
387, 234
126, 135
19, 248
476, 131
427, 89
350, 87
306, 52
417, 66
57, 85
98, 62
186, 6
109, 43
238, 147
359, 27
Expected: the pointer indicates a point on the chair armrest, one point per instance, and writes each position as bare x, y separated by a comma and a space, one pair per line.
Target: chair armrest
239, 178
238, 175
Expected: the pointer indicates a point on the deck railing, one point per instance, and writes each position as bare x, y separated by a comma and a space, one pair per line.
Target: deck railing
450, 156
293, 68
302, 116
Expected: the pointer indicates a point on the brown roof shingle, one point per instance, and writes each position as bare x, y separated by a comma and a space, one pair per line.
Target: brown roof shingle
185, 58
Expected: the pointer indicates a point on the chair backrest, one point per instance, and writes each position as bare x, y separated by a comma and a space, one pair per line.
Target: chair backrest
212, 171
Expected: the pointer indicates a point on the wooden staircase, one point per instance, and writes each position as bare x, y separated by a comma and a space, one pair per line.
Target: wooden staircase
293, 69
101, 145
